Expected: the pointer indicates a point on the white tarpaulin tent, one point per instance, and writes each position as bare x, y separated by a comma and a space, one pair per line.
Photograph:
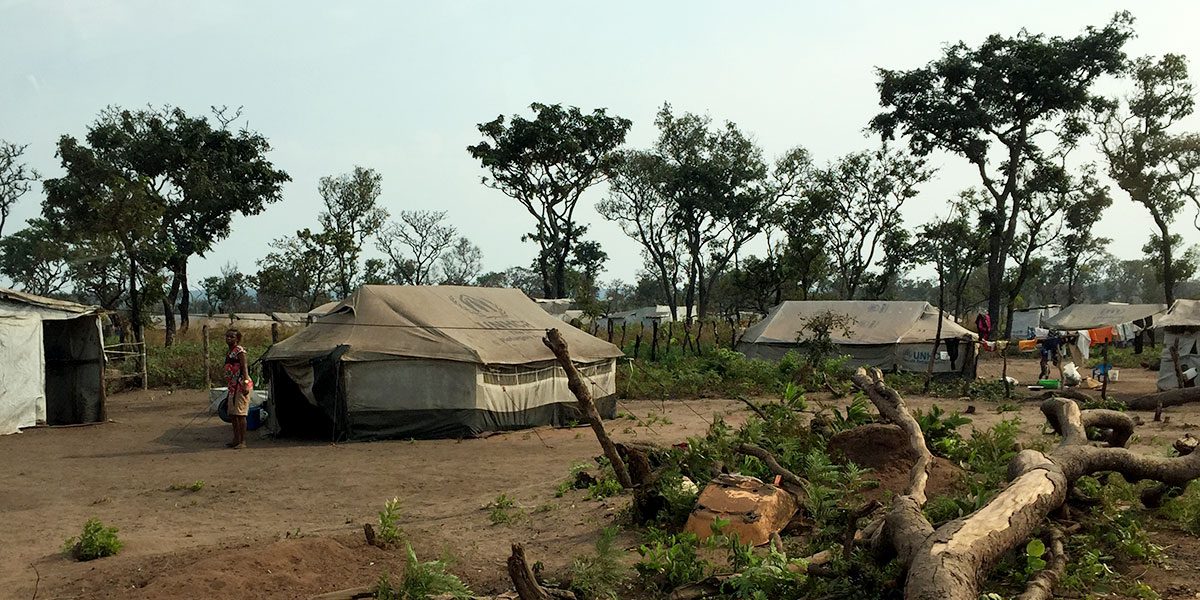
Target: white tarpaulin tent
430, 361
1127, 320
51, 362
1181, 327
1026, 320
887, 335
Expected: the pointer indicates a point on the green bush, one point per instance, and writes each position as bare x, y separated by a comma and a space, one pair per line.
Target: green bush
598, 575
422, 580
96, 541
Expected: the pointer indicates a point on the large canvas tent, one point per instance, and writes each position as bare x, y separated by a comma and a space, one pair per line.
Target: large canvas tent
887, 335
430, 361
51, 362
1128, 319
1181, 329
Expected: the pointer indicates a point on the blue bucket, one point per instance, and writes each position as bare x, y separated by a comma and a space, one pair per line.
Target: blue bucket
254, 418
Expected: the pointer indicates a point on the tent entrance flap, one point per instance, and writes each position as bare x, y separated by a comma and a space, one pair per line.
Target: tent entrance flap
307, 399
74, 371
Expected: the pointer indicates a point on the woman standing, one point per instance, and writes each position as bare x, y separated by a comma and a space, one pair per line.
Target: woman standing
237, 377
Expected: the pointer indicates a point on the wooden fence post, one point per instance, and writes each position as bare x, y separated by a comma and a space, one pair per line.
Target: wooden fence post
654, 340
145, 368
274, 333
637, 342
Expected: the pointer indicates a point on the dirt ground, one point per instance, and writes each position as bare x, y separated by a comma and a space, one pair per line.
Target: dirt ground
283, 519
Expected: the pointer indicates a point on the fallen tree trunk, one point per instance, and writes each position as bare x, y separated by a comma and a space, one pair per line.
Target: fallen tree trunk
951, 562
1167, 398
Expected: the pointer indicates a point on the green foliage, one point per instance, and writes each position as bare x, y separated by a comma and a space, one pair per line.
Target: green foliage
766, 577
1184, 509
858, 412
96, 541
604, 488
502, 510
1034, 551
670, 560
422, 580
389, 523
597, 576
941, 430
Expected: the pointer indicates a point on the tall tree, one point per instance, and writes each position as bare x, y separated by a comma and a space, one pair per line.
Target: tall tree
36, 259
15, 178
1079, 249
546, 164
956, 246
415, 243
856, 203
721, 192
301, 272
462, 263
638, 203
351, 217
1155, 166
227, 291
998, 105
102, 197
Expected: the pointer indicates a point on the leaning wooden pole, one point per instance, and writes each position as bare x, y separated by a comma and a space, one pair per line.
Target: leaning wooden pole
555, 342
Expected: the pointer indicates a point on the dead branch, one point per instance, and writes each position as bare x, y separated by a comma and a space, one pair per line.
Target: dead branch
754, 407
768, 459
555, 342
891, 406
526, 584
1167, 398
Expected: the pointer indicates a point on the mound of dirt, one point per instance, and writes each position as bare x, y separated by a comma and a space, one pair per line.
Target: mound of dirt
292, 567
884, 449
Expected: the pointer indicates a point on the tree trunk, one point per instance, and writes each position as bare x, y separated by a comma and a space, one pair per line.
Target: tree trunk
1168, 267
185, 298
168, 322
1167, 398
555, 342
526, 583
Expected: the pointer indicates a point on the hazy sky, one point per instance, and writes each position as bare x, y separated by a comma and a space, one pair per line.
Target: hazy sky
400, 87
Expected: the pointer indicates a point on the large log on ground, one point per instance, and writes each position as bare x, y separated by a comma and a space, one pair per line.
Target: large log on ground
1168, 398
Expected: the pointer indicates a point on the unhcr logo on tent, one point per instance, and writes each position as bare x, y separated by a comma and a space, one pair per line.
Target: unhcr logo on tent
488, 314
480, 307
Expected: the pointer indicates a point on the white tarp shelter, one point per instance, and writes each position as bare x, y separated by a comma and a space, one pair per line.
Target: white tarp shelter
888, 335
644, 316
1025, 320
430, 361
51, 362
1127, 319
1181, 326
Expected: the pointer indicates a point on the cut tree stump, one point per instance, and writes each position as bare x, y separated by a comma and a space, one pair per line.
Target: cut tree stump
527, 585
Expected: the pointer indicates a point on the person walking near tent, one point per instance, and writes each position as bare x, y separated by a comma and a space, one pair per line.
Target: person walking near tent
237, 378
1050, 353
983, 326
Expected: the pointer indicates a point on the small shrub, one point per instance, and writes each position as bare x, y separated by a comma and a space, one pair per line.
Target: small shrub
502, 510
598, 575
96, 541
195, 486
670, 560
389, 523
422, 580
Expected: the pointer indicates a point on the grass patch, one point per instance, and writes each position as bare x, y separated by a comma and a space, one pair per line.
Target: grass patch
421, 580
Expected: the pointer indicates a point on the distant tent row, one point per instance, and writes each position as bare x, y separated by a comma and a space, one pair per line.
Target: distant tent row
887, 335
430, 361
1026, 320
1128, 320
52, 352
643, 316
1181, 329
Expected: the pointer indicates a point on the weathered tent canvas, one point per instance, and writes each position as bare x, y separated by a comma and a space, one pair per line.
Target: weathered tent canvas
1078, 317
1181, 329
51, 362
430, 361
887, 335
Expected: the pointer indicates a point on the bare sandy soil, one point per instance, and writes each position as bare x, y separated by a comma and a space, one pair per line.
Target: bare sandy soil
283, 518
